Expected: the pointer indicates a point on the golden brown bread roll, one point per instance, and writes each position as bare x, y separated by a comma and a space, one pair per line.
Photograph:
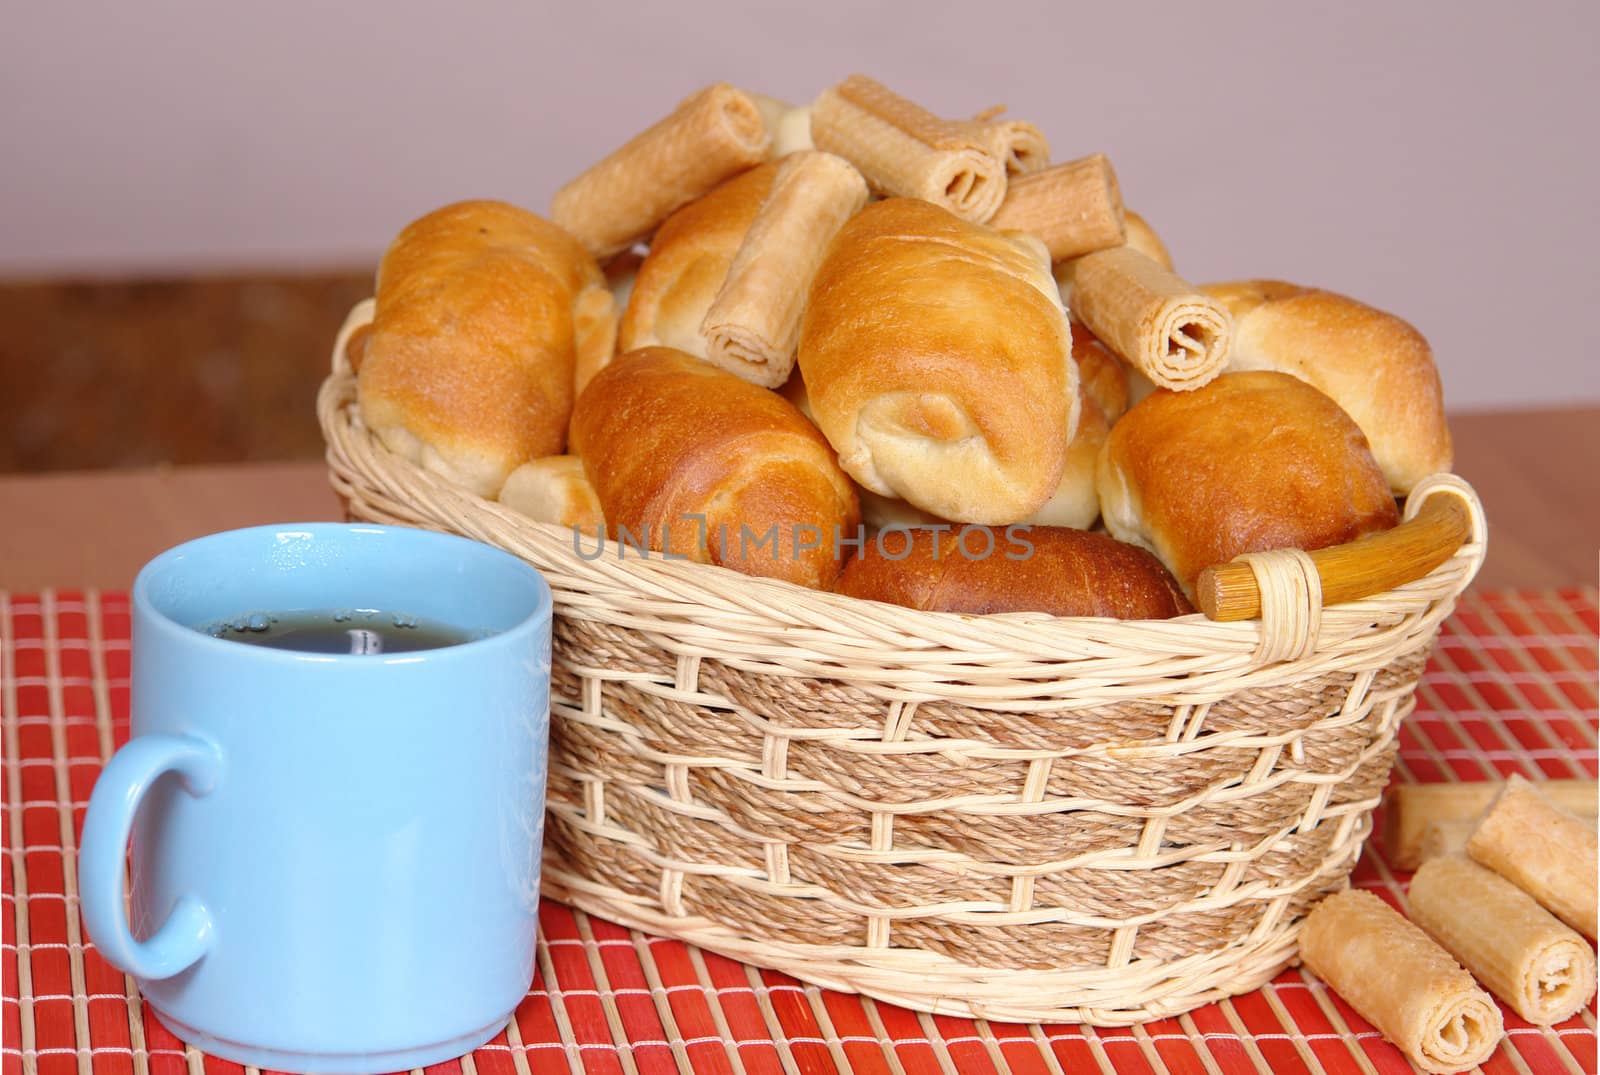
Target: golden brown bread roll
877, 512
939, 363
1374, 365
981, 570
687, 264
1247, 463
693, 461
554, 490
468, 370
1102, 396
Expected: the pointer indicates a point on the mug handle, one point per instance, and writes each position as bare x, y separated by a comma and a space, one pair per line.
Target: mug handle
187, 933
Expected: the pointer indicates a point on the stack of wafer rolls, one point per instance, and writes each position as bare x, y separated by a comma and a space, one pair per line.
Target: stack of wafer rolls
710, 136
905, 150
1454, 809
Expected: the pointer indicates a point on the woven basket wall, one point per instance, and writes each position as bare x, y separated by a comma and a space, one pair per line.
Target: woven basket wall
1016, 817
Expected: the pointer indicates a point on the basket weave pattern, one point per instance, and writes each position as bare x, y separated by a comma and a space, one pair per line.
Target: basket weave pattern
1016, 817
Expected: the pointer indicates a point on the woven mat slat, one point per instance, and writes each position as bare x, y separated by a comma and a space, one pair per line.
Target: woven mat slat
1511, 688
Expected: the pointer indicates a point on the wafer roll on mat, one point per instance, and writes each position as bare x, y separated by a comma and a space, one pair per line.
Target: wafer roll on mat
1373, 364
1409, 809
468, 370
1544, 850
1075, 208
939, 363
691, 460
1156, 322
1527, 958
1022, 146
1139, 235
1401, 981
554, 490
903, 149
981, 570
688, 262
711, 135
1443, 838
753, 325
1250, 462
1102, 397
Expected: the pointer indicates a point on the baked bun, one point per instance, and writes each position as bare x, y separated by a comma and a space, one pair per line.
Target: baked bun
468, 368
981, 570
1102, 396
554, 490
1374, 365
692, 460
939, 363
1247, 463
687, 263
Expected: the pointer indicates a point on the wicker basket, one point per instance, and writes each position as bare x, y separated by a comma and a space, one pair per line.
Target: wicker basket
1015, 817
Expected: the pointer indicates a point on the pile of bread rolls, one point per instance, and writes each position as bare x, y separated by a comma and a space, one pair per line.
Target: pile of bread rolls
854, 345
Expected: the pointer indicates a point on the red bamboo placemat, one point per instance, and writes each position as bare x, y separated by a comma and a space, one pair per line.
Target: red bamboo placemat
1511, 689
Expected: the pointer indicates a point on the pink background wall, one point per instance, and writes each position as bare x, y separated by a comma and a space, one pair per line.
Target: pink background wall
1439, 160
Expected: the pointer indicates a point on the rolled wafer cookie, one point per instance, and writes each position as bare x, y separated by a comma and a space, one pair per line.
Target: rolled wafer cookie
1518, 949
710, 136
1401, 981
753, 325
903, 149
1019, 143
1158, 323
1443, 838
1074, 208
1544, 850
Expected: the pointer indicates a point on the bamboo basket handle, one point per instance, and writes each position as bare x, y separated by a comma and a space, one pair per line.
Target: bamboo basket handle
1361, 568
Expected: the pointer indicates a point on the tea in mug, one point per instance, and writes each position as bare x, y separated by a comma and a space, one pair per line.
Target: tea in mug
340, 631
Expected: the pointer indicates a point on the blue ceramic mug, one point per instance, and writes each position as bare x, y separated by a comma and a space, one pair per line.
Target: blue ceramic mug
335, 860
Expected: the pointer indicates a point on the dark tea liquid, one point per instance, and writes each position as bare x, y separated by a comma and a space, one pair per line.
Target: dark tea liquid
335, 631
